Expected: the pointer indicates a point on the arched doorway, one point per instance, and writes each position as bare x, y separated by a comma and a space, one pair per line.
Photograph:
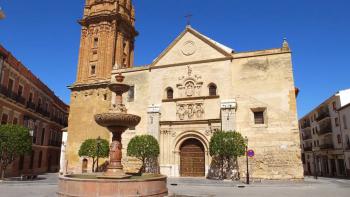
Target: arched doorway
85, 166
192, 158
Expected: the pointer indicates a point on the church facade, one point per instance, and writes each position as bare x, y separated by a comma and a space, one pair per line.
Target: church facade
196, 87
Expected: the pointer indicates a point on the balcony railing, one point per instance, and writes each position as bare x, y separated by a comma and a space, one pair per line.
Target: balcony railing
305, 124
325, 128
12, 95
31, 105
306, 149
307, 137
326, 146
322, 115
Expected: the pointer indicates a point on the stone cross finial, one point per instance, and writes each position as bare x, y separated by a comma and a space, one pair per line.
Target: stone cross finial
285, 45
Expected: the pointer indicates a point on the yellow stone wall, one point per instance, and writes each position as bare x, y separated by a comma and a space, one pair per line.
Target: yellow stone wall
260, 79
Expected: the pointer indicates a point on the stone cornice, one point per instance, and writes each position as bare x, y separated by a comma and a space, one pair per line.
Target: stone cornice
87, 86
267, 52
109, 17
186, 122
191, 98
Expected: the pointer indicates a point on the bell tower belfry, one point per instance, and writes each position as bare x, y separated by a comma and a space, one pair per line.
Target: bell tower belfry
107, 39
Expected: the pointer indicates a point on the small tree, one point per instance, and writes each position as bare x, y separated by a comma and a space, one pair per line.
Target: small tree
225, 146
94, 148
143, 147
14, 141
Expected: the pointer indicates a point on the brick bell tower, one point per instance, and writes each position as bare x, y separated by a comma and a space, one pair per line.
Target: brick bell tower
107, 39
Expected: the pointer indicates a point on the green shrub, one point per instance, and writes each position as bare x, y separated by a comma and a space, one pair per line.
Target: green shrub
92, 149
143, 147
15, 141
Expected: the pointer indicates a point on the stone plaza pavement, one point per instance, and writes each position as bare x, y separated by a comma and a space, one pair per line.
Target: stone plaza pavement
189, 187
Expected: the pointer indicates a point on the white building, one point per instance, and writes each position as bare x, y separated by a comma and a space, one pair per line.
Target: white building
344, 113
323, 138
63, 160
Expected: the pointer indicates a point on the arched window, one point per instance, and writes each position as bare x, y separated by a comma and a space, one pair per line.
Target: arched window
212, 89
169, 93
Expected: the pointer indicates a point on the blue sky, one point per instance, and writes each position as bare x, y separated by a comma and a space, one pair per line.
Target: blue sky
44, 35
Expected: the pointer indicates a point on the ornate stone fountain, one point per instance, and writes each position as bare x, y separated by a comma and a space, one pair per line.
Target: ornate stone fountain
117, 121
114, 182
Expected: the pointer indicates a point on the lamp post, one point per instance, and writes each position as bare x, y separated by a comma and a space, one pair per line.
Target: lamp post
98, 150
247, 159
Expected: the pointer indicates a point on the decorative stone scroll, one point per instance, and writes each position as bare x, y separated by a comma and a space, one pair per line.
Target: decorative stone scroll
190, 85
190, 111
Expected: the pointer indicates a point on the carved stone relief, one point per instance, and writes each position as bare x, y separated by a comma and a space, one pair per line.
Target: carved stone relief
189, 48
190, 111
190, 85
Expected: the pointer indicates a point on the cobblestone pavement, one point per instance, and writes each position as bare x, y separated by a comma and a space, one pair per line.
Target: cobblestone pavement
189, 187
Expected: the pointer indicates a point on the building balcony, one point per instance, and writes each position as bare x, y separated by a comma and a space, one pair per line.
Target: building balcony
31, 105
322, 115
305, 124
325, 127
307, 137
12, 95
326, 146
308, 149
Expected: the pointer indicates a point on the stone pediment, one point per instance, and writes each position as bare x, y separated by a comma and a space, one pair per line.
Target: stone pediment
190, 47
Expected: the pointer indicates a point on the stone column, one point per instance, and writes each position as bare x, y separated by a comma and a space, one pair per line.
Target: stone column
119, 50
228, 114
153, 120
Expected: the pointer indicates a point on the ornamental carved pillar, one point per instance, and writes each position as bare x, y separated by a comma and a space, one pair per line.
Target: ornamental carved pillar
228, 115
153, 121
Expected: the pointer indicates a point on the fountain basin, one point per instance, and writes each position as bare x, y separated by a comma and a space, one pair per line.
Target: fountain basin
119, 88
117, 119
90, 185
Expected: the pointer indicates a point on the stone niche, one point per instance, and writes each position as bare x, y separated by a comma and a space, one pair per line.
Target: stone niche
193, 110
189, 85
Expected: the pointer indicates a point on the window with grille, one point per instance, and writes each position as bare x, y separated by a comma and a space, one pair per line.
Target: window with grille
259, 117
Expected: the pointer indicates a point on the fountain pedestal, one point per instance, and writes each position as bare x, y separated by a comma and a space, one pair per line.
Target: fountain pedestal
115, 168
114, 182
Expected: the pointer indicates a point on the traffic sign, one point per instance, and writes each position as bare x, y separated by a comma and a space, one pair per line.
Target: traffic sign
250, 153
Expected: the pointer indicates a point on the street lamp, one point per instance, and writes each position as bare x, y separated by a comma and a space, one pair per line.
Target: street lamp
98, 150
246, 154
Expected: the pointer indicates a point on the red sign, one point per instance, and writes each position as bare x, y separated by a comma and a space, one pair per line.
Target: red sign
250, 153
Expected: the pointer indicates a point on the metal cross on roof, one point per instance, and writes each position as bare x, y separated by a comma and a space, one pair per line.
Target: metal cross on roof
188, 17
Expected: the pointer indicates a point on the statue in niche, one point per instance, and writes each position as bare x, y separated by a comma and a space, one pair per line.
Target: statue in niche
190, 112
199, 111
190, 88
181, 112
